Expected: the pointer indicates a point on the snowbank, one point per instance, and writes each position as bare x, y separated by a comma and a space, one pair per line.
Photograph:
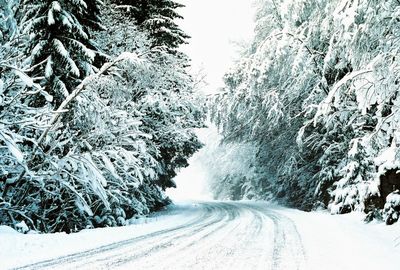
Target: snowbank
344, 242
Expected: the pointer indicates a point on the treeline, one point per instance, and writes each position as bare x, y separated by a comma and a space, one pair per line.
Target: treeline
96, 111
317, 95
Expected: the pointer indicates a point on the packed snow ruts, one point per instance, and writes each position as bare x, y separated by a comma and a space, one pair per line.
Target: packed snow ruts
221, 235
214, 235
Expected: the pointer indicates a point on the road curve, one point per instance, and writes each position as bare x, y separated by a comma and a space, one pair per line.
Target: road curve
219, 235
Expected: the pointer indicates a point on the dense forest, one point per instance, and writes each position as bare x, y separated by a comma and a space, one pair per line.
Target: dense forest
97, 111
312, 109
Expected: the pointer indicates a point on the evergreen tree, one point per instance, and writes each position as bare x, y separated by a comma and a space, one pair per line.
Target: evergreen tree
116, 141
158, 18
60, 49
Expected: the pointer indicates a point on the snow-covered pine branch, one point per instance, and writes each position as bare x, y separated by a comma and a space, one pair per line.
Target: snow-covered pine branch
90, 146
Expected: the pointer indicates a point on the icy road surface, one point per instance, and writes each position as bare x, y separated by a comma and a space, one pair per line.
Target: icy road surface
212, 235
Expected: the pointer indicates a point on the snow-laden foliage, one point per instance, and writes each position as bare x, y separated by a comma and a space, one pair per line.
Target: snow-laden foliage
19, 126
164, 95
60, 51
317, 94
8, 24
392, 208
158, 17
104, 150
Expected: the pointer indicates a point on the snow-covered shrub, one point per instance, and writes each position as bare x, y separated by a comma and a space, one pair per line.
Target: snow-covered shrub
353, 189
391, 212
22, 227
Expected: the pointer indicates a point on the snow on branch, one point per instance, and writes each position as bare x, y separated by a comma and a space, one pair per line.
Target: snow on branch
62, 108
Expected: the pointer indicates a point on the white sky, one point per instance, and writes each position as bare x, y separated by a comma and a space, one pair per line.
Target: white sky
213, 26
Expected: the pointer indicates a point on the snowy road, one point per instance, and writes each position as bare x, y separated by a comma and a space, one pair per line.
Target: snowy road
215, 235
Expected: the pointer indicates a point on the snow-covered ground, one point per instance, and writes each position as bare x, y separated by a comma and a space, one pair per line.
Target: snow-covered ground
214, 235
345, 242
18, 249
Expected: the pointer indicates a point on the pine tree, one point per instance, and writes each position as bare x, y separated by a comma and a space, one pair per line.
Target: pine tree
60, 49
158, 18
109, 155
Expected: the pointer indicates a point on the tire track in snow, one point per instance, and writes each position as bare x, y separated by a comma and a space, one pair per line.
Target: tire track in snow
209, 209
222, 235
176, 245
185, 247
288, 252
